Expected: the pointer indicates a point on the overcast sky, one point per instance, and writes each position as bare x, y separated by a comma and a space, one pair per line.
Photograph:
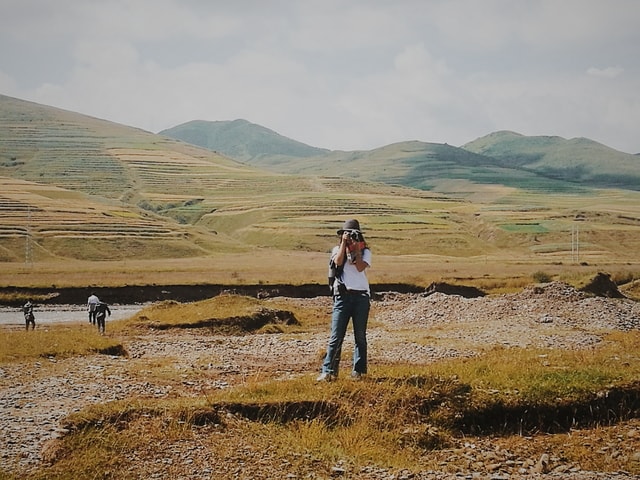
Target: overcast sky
337, 74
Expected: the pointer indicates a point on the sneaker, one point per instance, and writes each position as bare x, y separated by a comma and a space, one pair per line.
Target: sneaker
325, 377
356, 375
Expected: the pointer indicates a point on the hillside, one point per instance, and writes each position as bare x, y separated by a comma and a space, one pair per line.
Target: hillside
77, 187
40, 222
241, 140
201, 202
577, 160
547, 164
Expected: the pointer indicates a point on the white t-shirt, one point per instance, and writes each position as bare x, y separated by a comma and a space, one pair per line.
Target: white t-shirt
92, 302
351, 277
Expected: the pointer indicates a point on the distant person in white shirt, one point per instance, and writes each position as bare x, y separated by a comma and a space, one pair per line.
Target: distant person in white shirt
92, 307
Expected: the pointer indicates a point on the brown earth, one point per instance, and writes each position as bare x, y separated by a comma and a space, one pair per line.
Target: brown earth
132, 294
37, 396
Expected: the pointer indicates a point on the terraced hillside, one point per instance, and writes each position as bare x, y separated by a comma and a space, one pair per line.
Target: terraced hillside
38, 222
122, 192
73, 186
48, 145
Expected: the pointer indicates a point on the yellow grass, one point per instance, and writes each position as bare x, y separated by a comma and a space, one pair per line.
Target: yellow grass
388, 410
407, 414
61, 341
296, 268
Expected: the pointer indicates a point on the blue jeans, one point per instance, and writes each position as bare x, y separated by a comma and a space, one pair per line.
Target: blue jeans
356, 307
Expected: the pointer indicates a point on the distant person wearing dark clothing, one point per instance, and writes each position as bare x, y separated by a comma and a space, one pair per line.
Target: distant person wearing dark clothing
102, 310
29, 317
92, 307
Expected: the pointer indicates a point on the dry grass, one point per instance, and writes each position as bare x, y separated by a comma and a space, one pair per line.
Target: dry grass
535, 376
225, 313
61, 342
410, 417
172, 313
297, 268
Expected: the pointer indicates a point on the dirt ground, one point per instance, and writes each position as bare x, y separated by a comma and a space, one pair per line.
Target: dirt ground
36, 396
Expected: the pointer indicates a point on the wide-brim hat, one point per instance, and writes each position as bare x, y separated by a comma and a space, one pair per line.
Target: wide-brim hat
349, 225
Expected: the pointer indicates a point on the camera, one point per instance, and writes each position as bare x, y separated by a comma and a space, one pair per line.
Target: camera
355, 236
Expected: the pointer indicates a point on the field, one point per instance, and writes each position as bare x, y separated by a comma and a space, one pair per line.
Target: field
536, 377
543, 381
50, 236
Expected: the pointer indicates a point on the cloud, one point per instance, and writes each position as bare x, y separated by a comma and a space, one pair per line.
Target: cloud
608, 72
343, 74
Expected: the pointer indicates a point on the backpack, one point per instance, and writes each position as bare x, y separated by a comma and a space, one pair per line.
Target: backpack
27, 309
335, 272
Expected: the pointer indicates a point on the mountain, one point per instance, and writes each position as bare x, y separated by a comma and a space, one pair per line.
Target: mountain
578, 160
241, 140
78, 187
73, 186
539, 163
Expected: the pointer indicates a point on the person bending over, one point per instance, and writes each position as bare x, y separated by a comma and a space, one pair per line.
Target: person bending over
102, 310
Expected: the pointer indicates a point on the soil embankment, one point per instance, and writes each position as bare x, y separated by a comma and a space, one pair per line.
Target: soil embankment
132, 294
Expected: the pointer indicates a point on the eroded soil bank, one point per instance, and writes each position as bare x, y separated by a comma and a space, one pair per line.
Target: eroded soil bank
130, 294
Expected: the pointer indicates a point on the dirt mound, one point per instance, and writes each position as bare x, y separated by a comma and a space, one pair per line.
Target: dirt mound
240, 324
450, 289
552, 291
602, 286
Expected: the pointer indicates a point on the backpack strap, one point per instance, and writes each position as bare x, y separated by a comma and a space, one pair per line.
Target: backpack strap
335, 272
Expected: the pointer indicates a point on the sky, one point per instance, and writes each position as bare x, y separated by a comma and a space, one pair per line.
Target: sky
336, 74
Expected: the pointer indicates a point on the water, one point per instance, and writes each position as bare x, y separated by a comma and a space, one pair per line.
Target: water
49, 314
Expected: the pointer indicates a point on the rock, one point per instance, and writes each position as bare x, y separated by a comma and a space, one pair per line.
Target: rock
542, 466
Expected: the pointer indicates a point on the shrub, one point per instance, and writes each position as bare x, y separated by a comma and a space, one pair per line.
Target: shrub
541, 277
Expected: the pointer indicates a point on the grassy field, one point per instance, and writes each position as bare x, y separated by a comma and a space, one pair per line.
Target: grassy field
304, 268
410, 416
61, 342
51, 236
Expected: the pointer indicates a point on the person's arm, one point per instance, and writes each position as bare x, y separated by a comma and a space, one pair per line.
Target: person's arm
359, 263
340, 255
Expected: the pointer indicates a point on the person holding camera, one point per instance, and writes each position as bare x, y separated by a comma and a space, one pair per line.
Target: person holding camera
351, 300
29, 317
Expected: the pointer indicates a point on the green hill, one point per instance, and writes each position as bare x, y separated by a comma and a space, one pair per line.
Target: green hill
578, 160
241, 140
80, 187
545, 164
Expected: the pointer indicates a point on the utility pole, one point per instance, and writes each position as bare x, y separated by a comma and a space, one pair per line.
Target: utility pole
575, 238
573, 243
27, 249
577, 243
